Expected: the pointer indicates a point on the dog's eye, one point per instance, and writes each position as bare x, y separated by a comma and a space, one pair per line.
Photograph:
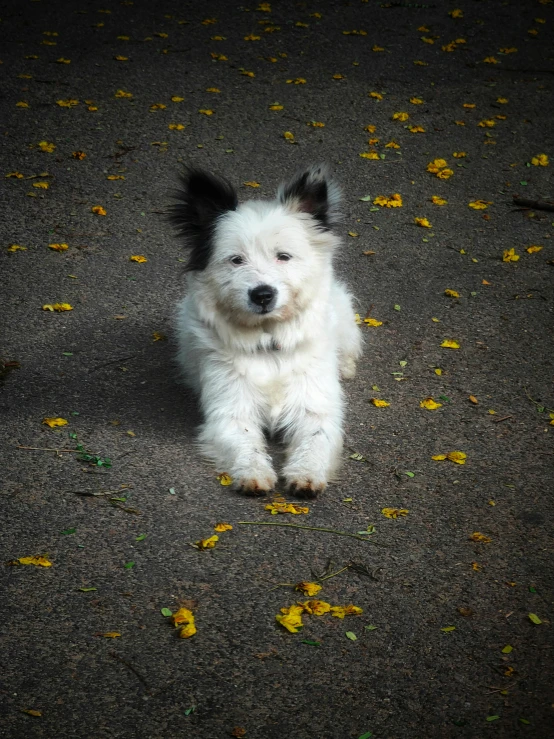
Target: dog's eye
284, 257
237, 260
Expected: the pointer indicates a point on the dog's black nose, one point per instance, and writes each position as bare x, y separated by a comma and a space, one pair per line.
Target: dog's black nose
262, 295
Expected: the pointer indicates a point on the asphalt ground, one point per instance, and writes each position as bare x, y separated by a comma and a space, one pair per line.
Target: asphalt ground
454, 652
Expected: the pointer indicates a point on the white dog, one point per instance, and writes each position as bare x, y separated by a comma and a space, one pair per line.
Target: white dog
266, 330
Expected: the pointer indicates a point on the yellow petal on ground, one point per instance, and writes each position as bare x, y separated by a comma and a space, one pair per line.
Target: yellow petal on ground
450, 344
41, 185
291, 618
111, 634
438, 371
430, 404
480, 204
533, 249
251, 183
31, 712
276, 106
392, 145
55, 422
206, 111
176, 127
401, 116
370, 128
22, 104
473, 399
342, 611
98, 210
123, 94
186, 631
182, 616
487, 123
541, 160
293, 508
457, 457
416, 101
157, 336
139, 258
416, 129
59, 247
394, 201
208, 543
502, 101
16, 247
378, 403
375, 95
423, 222
225, 479
308, 588
113, 177
58, 307
477, 536
46, 146
437, 200
452, 293
316, 607
373, 322
177, 99
477, 567
394, 512
38, 560
370, 155
509, 255
288, 135
222, 527
459, 154
438, 457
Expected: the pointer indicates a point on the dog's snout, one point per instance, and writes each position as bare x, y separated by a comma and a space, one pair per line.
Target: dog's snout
262, 295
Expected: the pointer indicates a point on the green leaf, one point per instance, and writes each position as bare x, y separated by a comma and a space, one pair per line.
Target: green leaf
535, 619
507, 649
532, 589
365, 199
374, 210
382, 156
367, 735
172, 491
311, 643
448, 629
190, 710
87, 590
358, 457
370, 627
410, 474
524, 721
493, 718
523, 183
403, 362
347, 500
166, 612
119, 500
67, 354
69, 531
426, 240
397, 307
128, 565
376, 388
351, 635
141, 537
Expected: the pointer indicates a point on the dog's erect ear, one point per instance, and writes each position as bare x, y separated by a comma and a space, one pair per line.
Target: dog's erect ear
201, 199
313, 191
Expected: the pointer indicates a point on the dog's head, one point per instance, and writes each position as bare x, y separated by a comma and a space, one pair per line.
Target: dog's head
261, 259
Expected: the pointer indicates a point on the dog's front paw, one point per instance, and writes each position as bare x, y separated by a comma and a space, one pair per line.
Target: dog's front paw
256, 484
305, 487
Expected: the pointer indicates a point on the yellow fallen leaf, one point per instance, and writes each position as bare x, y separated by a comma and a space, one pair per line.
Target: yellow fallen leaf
490, 60
22, 104
219, 527
296, 81
450, 344
293, 508
394, 512
473, 399
276, 106
113, 177
58, 247
177, 99
379, 403
373, 322
416, 101
38, 560
509, 255
58, 307
225, 479
63, 60
456, 13
353, 234
41, 185
445, 174
430, 404
342, 611
315, 607
291, 618
533, 249
377, 48
139, 258
477, 536
251, 183
208, 543
541, 160
370, 128
423, 222
211, 89
438, 371
111, 634
31, 712
120, 57
55, 422
308, 588
17, 175
436, 320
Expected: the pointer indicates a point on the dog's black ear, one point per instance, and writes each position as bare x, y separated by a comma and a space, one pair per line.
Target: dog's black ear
201, 199
313, 191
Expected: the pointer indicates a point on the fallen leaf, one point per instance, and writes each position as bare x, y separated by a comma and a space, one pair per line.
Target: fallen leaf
31, 711
448, 629
350, 635
293, 508
507, 649
535, 619
99, 210
238, 731
473, 399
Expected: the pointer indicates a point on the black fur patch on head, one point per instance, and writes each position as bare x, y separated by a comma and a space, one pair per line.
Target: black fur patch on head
313, 191
201, 200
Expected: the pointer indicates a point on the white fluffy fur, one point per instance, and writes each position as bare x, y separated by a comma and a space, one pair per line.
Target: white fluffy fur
278, 371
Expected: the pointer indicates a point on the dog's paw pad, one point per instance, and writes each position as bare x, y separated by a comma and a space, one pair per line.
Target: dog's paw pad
305, 489
255, 487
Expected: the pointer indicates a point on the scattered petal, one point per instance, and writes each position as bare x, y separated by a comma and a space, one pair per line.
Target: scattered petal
394, 512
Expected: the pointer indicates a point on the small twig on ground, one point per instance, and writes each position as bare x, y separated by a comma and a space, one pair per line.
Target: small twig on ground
534, 204
309, 528
131, 667
113, 361
49, 449
499, 420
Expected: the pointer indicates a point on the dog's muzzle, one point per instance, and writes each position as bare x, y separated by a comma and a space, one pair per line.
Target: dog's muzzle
263, 298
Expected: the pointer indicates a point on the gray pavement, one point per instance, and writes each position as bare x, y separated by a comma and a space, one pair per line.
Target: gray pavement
100, 368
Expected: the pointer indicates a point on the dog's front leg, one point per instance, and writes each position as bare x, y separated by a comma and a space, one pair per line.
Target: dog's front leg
314, 440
